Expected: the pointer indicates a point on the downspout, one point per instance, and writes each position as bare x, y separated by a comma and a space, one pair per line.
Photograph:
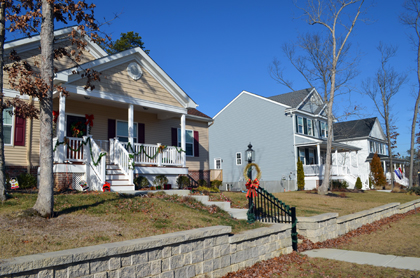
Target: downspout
29, 147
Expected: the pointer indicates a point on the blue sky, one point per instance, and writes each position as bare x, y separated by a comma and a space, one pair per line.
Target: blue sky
215, 49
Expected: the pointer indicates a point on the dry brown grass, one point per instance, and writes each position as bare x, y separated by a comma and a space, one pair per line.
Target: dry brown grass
401, 238
90, 219
309, 204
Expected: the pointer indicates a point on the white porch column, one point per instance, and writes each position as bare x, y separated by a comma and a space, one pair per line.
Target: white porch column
183, 145
384, 166
357, 159
318, 152
336, 160
61, 128
351, 166
131, 125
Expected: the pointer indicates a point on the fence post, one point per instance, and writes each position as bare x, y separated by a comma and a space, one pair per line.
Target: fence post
111, 150
159, 156
294, 229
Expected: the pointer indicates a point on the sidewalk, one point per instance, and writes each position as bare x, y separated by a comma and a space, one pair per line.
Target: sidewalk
366, 258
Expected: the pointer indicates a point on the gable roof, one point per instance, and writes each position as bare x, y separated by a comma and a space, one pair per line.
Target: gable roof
292, 99
353, 129
195, 112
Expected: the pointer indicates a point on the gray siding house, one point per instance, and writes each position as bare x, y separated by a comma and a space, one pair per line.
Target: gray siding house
280, 128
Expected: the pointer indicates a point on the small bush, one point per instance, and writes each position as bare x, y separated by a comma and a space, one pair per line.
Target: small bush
370, 182
208, 189
216, 183
300, 175
160, 181
336, 184
183, 182
358, 184
414, 191
202, 182
26, 180
141, 182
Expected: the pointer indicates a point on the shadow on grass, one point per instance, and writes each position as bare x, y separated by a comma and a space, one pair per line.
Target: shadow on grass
77, 208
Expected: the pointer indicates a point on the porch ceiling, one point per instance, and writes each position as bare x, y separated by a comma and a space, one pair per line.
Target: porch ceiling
120, 104
335, 146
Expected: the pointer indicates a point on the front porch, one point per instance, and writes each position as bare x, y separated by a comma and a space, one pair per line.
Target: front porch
99, 161
344, 163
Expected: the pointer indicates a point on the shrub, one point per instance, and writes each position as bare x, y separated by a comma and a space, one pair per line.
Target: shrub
183, 182
141, 182
358, 184
300, 175
160, 180
370, 183
202, 182
378, 177
26, 180
336, 184
216, 183
208, 189
414, 191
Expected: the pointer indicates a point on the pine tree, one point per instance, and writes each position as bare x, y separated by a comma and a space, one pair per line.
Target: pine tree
300, 175
377, 172
359, 184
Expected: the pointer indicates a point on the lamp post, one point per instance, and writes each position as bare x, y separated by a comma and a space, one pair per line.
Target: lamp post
250, 156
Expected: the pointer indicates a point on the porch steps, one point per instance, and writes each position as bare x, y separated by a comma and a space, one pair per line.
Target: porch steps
234, 212
117, 179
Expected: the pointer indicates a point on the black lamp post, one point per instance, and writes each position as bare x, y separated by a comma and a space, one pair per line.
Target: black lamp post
250, 156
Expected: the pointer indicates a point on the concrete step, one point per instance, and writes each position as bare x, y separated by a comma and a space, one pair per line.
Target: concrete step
122, 188
235, 213
115, 177
238, 213
118, 182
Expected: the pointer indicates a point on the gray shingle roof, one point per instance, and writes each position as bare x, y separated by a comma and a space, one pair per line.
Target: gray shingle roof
353, 129
292, 99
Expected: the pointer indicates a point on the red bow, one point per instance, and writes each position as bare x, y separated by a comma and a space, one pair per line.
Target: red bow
252, 188
55, 116
89, 120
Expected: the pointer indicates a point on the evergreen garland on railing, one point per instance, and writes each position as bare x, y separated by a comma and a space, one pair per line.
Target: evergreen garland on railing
83, 143
142, 147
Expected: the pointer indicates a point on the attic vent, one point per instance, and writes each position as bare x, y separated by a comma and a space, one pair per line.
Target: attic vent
134, 71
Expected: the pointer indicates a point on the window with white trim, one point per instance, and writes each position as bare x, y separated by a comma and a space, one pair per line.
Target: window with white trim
310, 130
189, 141
238, 158
302, 155
300, 125
122, 131
8, 126
324, 130
218, 163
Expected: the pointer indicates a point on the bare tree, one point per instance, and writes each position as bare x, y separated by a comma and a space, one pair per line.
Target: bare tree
411, 18
324, 60
381, 89
2, 161
28, 17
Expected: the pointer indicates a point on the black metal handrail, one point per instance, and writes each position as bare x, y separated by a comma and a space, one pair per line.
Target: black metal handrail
193, 182
265, 207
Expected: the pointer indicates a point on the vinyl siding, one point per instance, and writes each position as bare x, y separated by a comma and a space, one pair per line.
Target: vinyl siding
265, 125
16, 155
116, 80
34, 55
156, 130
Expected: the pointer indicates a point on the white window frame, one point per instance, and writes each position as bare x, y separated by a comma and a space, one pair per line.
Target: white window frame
300, 125
309, 126
220, 163
239, 158
371, 147
135, 134
324, 130
186, 142
12, 131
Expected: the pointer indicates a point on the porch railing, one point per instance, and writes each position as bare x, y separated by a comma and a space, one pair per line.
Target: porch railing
75, 144
122, 158
149, 154
98, 165
314, 170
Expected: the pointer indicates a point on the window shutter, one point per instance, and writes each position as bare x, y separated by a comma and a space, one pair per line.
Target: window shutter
20, 128
316, 156
305, 126
307, 156
141, 133
174, 135
297, 125
319, 130
111, 129
196, 144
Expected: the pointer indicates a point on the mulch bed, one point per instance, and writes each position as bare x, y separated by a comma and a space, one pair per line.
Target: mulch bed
282, 264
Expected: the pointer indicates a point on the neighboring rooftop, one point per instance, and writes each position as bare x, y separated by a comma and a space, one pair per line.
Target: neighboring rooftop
353, 129
195, 112
292, 99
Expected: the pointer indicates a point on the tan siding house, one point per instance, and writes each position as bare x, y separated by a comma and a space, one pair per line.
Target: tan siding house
136, 114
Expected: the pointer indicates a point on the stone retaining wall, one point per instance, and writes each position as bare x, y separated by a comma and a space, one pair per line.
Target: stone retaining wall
205, 252
329, 225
